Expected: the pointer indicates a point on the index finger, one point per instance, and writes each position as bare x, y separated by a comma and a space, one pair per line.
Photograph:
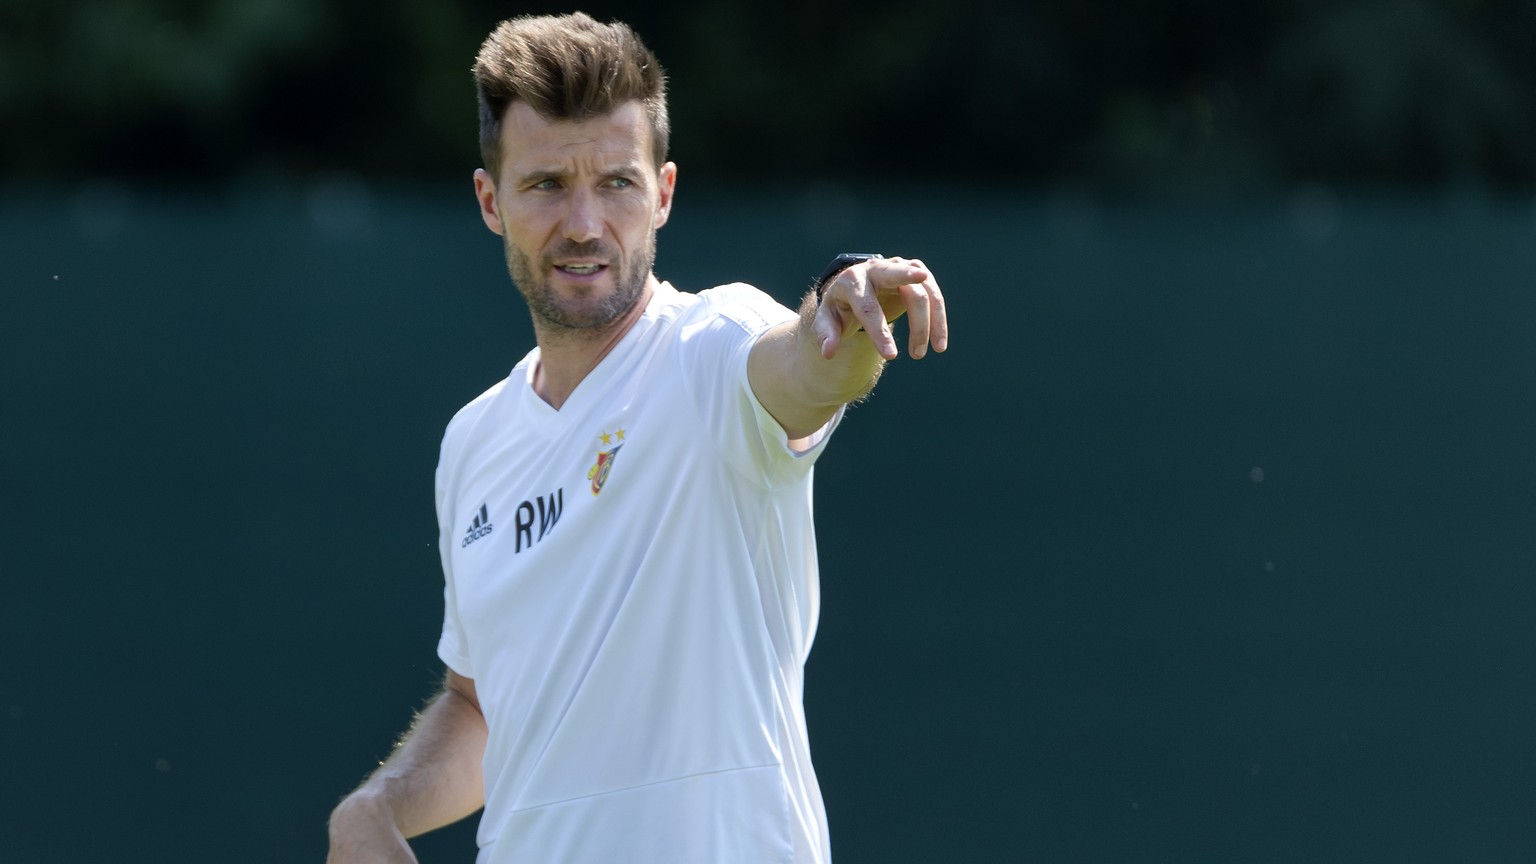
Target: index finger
868, 311
891, 273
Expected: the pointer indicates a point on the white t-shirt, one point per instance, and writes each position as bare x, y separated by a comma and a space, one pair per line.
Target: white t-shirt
631, 582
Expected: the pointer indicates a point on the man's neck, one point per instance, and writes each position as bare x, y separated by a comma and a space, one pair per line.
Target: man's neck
566, 357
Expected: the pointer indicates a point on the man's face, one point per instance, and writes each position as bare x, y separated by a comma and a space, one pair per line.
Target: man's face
578, 205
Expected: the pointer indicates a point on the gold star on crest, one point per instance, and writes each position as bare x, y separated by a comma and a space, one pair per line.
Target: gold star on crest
606, 438
621, 434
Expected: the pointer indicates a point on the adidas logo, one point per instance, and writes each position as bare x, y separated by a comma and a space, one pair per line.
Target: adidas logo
479, 528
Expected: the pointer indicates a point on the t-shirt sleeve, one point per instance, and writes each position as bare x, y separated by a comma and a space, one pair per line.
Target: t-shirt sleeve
452, 648
717, 339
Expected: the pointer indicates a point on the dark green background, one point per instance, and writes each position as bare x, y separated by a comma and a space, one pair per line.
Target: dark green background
1210, 539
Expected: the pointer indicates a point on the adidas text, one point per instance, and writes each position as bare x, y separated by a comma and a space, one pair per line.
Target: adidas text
478, 528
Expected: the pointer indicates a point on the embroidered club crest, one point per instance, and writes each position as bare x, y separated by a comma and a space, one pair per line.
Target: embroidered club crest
599, 473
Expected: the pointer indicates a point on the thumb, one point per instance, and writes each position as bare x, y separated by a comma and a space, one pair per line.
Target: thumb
829, 333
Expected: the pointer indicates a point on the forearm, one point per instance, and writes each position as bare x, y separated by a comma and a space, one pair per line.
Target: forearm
434, 776
834, 381
799, 385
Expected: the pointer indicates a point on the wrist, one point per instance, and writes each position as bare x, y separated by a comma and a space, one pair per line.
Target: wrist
842, 262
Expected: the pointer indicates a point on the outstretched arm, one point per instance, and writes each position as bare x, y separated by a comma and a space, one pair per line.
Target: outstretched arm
432, 779
803, 371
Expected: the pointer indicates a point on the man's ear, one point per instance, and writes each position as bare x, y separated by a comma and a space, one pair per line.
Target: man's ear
666, 184
485, 193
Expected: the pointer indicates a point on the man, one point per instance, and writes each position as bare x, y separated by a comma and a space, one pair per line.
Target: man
625, 521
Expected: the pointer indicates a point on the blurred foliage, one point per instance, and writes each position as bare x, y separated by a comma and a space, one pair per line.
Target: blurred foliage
1139, 95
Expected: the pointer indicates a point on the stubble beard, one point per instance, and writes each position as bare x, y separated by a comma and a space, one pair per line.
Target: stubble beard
558, 319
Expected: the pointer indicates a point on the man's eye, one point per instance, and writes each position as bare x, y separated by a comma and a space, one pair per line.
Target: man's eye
621, 182
546, 184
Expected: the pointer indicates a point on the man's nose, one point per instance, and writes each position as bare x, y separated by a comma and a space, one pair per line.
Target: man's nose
584, 219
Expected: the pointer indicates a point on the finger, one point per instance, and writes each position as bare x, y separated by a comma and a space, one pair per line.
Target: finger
938, 325
903, 283
864, 302
889, 274
915, 297
829, 330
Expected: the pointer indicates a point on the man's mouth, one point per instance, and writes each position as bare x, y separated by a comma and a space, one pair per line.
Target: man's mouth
579, 269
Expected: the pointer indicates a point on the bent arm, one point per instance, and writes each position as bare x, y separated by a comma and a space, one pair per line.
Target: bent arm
801, 388
804, 370
432, 779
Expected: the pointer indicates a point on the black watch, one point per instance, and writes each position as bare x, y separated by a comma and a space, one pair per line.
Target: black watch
842, 262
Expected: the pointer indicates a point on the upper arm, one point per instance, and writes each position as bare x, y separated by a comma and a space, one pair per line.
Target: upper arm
462, 686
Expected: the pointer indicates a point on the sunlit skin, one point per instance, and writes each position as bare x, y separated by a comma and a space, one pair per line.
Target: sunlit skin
577, 205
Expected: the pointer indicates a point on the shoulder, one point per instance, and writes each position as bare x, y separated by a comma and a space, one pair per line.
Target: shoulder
753, 309
740, 294
473, 412
478, 405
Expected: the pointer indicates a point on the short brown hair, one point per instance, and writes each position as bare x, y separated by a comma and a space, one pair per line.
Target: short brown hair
566, 67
